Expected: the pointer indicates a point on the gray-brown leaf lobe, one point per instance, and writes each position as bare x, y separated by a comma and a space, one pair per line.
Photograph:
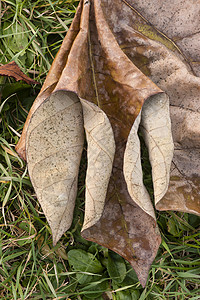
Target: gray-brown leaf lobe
100, 154
54, 146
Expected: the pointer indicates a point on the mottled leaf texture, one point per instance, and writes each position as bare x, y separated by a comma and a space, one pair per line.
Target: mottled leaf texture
156, 129
54, 147
133, 171
12, 70
174, 66
117, 56
100, 156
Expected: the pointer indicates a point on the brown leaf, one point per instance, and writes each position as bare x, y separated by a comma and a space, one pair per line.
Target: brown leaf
100, 155
105, 59
174, 67
52, 77
54, 146
12, 70
107, 78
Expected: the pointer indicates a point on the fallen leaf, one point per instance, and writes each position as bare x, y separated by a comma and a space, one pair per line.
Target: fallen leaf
114, 59
12, 70
100, 157
118, 90
156, 129
54, 146
52, 77
178, 23
174, 67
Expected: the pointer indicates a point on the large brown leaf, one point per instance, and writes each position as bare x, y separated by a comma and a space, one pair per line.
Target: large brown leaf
106, 58
107, 78
171, 59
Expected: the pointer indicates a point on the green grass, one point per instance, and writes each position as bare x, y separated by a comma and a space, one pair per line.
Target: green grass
30, 267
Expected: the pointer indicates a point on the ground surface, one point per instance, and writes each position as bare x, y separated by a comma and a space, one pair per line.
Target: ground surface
30, 267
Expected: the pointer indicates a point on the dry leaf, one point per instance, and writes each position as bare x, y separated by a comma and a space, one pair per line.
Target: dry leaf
100, 154
52, 77
119, 89
54, 146
133, 171
12, 70
174, 67
156, 129
115, 60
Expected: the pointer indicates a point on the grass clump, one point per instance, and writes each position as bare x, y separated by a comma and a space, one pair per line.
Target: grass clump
30, 267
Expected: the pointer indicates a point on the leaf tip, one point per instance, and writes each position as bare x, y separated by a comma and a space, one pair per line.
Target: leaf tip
55, 237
